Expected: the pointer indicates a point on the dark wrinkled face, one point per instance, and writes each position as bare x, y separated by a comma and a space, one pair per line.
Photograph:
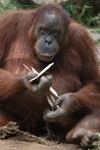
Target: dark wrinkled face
49, 33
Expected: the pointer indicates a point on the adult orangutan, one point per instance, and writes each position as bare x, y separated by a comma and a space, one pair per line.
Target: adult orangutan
36, 38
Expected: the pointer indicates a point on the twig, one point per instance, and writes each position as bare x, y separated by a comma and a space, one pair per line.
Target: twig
42, 72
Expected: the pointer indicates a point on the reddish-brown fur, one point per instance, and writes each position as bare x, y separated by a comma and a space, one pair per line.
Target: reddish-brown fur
75, 71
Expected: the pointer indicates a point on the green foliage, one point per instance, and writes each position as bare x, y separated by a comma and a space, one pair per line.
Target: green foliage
12, 4
97, 30
82, 13
96, 143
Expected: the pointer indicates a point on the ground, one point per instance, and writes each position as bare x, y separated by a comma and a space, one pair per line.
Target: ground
12, 144
21, 145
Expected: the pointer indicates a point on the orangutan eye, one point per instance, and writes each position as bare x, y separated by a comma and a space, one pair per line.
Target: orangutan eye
56, 33
43, 30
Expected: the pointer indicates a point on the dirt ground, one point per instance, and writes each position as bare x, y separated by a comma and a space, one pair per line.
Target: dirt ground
22, 145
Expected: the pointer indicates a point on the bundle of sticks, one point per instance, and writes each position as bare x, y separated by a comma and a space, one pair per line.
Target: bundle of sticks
52, 93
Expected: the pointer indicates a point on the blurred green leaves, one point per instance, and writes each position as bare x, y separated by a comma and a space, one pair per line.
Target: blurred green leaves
13, 4
83, 13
